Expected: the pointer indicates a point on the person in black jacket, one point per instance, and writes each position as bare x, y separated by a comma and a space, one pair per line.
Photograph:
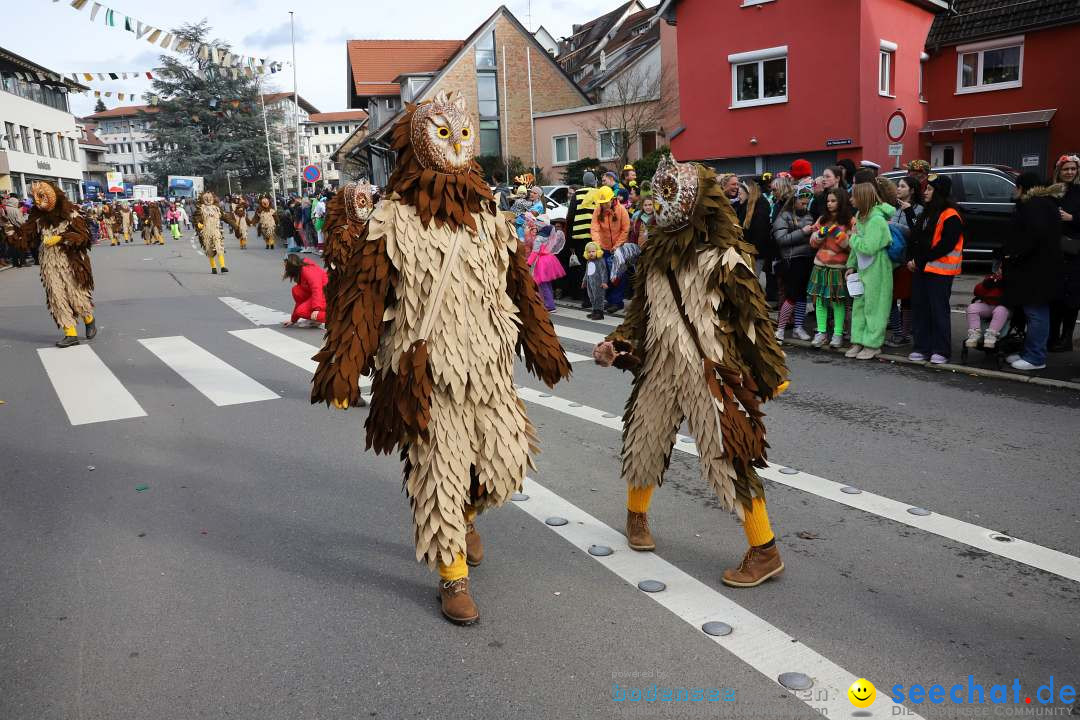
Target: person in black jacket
1033, 261
752, 211
1063, 310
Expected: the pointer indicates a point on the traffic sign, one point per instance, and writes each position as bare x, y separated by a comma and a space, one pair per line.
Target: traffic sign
896, 126
896, 149
312, 174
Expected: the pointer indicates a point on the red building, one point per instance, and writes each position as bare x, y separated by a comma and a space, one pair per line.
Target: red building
763, 82
1002, 83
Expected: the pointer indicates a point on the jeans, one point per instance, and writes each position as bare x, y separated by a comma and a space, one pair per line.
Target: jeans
1038, 332
931, 318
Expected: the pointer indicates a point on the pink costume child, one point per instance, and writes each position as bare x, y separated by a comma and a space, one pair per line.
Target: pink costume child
546, 267
986, 304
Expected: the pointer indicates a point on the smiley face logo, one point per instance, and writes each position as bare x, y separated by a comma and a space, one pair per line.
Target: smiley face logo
862, 693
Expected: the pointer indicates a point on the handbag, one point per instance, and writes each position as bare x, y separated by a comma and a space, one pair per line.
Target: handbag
855, 285
574, 261
897, 246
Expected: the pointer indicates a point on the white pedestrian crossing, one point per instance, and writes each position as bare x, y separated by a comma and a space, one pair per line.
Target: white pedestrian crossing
257, 314
87, 389
286, 347
220, 382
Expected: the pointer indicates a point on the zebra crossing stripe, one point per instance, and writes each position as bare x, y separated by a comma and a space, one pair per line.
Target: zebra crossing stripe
286, 347
88, 390
220, 382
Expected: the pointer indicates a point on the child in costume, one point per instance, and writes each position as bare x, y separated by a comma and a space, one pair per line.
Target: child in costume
700, 343
151, 227
172, 217
828, 286
986, 305
125, 221
545, 266
240, 223
55, 223
208, 226
595, 282
105, 225
435, 298
266, 222
870, 258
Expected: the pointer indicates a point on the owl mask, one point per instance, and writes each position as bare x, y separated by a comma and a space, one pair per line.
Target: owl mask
44, 195
207, 198
675, 189
264, 203
442, 135
358, 201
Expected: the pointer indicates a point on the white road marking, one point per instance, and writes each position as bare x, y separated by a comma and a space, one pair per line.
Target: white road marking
754, 641
575, 358
88, 390
1044, 558
572, 333
257, 314
574, 314
220, 382
286, 347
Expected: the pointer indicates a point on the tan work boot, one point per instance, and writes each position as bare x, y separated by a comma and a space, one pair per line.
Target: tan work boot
757, 566
457, 604
638, 535
474, 546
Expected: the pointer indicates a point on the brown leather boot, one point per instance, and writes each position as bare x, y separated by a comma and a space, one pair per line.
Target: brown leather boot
757, 566
457, 604
638, 535
474, 546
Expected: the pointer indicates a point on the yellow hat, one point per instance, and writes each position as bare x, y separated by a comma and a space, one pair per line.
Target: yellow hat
604, 195
627, 166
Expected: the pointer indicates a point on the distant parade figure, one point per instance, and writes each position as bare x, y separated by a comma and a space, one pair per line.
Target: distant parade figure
240, 221
56, 224
266, 222
126, 217
208, 227
151, 229
105, 225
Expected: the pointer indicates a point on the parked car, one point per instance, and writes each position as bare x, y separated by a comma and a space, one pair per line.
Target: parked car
984, 194
558, 193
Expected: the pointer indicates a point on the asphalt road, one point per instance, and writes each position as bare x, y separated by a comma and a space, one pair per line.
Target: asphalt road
250, 560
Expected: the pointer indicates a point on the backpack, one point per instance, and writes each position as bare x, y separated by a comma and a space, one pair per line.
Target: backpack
898, 247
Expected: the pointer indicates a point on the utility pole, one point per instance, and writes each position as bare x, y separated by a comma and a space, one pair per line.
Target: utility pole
269, 156
296, 105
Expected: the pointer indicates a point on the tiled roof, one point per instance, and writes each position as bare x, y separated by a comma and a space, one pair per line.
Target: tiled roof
122, 111
625, 34
970, 20
587, 37
375, 63
338, 116
89, 138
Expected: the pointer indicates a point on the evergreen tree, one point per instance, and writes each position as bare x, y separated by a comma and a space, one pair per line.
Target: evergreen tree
99, 106
205, 122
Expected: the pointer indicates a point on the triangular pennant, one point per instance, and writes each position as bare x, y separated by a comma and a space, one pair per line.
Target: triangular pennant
129, 24
143, 30
88, 76
167, 40
101, 77
149, 75
94, 11
120, 95
97, 93
114, 76
108, 93
78, 4
110, 18
204, 52
182, 45
153, 37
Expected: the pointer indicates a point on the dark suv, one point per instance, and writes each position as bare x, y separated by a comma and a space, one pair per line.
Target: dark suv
984, 194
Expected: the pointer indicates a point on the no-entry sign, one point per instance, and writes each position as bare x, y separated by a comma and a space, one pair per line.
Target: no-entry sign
896, 126
312, 174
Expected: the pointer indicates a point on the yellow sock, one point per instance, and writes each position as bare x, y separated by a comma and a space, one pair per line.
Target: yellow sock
211, 259
756, 523
89, 318
638, 499
70, 331
455, 570
221, 260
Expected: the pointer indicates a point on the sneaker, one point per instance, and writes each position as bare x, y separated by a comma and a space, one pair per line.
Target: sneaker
853, 351
868, 353
936, 359
990, 339
1023, 364
780, 335
974, 334
819, 339
837, 342
802, 334
916, 357
1012, 358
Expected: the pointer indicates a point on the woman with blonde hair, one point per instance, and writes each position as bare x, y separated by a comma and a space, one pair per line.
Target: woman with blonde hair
869, 263
1063, 310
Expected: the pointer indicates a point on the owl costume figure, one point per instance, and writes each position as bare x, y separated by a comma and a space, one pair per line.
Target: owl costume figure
435, 300
56, 224
700, 343
151, 229
125, 222
239, 222
266, 222
208, 227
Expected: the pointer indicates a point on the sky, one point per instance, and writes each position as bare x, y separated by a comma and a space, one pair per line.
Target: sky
62, 39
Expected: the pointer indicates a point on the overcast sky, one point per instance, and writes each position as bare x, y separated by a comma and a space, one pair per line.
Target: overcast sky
55, 35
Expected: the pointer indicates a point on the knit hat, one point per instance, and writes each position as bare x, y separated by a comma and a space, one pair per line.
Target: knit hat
588, 178
801, 168
918, 166
612, 175
942, 185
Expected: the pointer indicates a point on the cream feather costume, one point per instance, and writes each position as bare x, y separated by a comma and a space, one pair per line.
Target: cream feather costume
208, 227
699, 340
125, 221
436, 298
266, 221
64, 258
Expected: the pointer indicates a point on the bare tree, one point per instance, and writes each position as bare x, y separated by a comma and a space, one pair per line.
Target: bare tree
636, 101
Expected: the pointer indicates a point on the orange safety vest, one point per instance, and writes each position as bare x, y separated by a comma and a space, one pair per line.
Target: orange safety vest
950, 264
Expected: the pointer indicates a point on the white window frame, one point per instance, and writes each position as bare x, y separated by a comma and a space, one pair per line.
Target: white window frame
887, 68
600, 143
555, 149
760, 57
980, 49
752, 3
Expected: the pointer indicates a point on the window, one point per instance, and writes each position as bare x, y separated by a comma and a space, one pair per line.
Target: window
485, 51
565, 149
487, 95
986, 188
24, 133
996, 65
37, 143
9, 135
887, 69
611, 144
489, 137
63, 148
71, 144
759, 77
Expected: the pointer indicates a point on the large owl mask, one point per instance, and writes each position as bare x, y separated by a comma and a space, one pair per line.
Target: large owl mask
264, 203
675, 189
207, 198
358, 201
44, 195
442, 135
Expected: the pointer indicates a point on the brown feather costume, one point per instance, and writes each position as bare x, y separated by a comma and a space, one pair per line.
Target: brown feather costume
443, 392
698, 273
151, 227
65, 267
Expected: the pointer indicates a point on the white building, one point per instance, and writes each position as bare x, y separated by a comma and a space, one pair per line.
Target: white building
291, 115
38, 136
324, 133
126, 134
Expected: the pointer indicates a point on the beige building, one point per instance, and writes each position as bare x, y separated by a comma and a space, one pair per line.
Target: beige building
324, 134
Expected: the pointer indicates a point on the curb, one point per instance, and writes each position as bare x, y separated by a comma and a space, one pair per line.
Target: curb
901, 360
